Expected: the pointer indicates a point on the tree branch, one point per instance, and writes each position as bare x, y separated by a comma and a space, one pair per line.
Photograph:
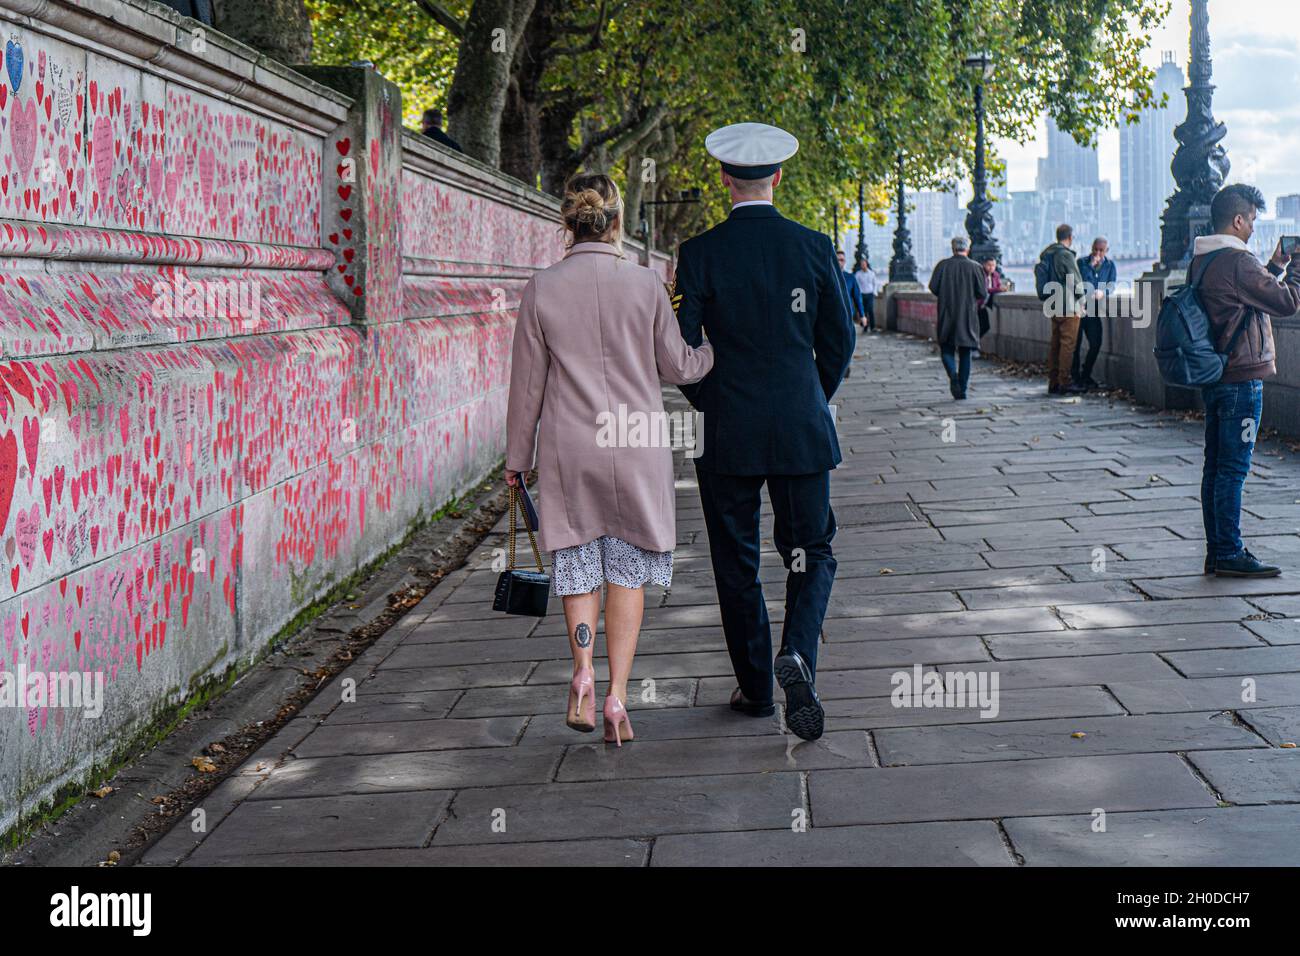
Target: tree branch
442, 16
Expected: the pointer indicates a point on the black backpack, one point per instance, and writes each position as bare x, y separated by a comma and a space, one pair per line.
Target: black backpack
1043, 277
1185, 351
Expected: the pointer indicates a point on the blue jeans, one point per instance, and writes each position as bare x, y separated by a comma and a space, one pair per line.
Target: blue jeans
1232, 414
959, 374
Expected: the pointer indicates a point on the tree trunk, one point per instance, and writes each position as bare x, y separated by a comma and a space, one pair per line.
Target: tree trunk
558, 163
521, 118
280, 29
479, 88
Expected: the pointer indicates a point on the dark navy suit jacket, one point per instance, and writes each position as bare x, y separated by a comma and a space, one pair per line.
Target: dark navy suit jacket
770, 296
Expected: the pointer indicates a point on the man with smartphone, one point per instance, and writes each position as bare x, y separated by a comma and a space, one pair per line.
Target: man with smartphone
1238, 295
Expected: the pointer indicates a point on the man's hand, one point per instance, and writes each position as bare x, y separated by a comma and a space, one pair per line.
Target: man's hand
512, 477
1279, 258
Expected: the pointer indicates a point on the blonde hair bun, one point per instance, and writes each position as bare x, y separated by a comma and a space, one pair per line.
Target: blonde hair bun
591, 205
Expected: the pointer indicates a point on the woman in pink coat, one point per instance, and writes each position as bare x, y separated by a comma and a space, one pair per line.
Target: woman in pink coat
596, 336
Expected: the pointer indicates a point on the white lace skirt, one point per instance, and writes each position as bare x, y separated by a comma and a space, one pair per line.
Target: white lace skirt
583, 568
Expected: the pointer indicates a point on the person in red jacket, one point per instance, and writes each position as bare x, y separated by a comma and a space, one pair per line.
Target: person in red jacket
1235, 289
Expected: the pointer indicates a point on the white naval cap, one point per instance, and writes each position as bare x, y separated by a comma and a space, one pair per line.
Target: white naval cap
750, 150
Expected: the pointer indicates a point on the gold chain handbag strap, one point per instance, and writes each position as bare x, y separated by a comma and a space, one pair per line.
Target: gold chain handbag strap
515, 507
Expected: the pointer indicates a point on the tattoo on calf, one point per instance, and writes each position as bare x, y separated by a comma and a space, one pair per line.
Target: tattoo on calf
582, 634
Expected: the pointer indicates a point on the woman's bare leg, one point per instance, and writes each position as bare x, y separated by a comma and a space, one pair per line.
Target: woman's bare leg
580, 614
623, 610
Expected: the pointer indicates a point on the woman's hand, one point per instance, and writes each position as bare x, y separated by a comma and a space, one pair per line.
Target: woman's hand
512, 477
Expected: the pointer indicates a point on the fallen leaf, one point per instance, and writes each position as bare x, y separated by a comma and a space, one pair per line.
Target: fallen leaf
886, 570
1078, 735
102, 792
203, 765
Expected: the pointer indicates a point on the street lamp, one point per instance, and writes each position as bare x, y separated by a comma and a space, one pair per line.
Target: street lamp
1200, 163
861, 252
979, 216
902, 268
647, 231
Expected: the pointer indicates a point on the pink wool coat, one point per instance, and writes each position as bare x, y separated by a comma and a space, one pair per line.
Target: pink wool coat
595, 332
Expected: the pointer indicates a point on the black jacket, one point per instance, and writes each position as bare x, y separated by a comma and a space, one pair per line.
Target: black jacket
769, 294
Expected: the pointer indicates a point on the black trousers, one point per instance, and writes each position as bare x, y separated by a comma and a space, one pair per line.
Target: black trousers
803, 529
869, 307
1089, 327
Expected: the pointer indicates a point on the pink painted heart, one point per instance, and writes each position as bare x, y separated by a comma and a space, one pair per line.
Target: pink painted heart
23, 134
101, 143
8, 475
155, 177
207, 169
26, 526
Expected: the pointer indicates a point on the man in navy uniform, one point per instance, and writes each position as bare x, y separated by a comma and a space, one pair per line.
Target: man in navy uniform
770, 296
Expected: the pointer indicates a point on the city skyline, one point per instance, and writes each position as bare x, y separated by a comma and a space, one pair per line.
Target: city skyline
1256, 52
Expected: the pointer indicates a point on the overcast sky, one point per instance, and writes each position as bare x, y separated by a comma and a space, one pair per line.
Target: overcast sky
1256, 49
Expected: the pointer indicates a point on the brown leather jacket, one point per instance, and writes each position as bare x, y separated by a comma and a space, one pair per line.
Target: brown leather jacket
1236, 288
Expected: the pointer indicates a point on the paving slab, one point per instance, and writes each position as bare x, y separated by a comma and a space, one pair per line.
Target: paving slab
624, 808
1121, 640
1224, 836
1246, 661
746, 754
872, 713
971, 843
997, 789
1208, 693
1256, 776
1280, 726
334, 822
1074, 736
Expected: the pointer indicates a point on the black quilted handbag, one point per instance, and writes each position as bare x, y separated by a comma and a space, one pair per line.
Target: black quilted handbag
519, 591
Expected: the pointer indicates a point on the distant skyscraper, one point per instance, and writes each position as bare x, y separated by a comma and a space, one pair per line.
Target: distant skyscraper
1067, 164
1146, 148
1288, 207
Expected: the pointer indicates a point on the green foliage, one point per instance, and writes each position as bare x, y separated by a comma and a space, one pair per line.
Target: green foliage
403, 42
857, 81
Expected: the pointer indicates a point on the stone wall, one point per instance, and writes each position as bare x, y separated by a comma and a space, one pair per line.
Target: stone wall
253, 332
1019, 331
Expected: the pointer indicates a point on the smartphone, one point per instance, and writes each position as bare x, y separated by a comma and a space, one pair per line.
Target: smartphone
1290, 244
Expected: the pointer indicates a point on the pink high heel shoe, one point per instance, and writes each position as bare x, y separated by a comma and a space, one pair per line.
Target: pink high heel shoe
583, 686
616, 715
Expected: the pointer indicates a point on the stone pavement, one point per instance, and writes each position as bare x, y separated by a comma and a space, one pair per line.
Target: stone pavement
1143, 712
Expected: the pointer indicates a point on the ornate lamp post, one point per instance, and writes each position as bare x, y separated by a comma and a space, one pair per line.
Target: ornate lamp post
647, 231
979, 217
902, 268
835, 225
1200, 163
861, 251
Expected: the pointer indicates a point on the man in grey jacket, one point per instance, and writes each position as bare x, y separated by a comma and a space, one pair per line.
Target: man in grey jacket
1238, 295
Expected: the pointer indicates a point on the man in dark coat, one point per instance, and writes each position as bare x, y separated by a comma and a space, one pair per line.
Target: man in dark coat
431, 126
961, 288
771, 297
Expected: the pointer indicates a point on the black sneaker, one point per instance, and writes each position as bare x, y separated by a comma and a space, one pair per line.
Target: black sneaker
1245, 565
1209, 564
1053, 390
952, 388
803, 709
